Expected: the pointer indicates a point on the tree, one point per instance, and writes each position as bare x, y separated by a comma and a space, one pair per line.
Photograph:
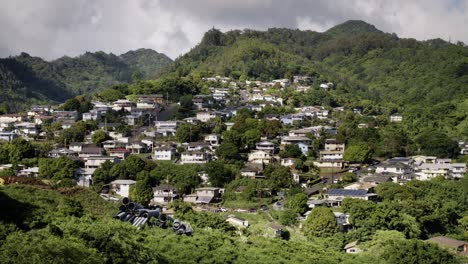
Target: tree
436, 143
99, 137
218, 174
102, 175
298, 203
142, 192
251, 137
110, 95
321, 222
57, 169
279, 176
227, 151
288, 217
357, 153
133, 165
349, 177
188, 133
291, 151
232, 136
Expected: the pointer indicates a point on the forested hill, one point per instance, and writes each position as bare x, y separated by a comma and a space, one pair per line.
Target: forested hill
376, 71
26, 79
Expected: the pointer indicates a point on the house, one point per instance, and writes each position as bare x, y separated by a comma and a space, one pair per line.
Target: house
237, 221
122, 187
292, 119
61, 152
352, 248
302, 79
295, 140
213, 140
253, 170
204, 195
11, 118
288, 162
167, 128
112, 144
120, 153
463, 147
87, 152
76, 146
131, 120
66, 115
198, 146
335, 196
260, 156
377, 179
27, 129
146, 103
136, 147
29, 172
334, 145
194, 157
326, 86
266, 146
427, 171
7, 135
303, 132
192, 121
36, 110
95, 162
459, 246
164, 153
164, 194
123, 104
342, 220
395, 165
396, 118
91, 115
156, 98
205, 116
84, 177
331, 154
334, 163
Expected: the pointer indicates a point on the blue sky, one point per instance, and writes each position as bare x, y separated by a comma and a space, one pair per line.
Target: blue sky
53, 28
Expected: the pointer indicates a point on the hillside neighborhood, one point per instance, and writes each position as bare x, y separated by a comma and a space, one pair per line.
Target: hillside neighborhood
242, 123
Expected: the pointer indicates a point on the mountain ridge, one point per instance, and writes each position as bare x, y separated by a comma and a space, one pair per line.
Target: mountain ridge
27, 79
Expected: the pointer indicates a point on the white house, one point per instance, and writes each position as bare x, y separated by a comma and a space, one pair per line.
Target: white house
122, 187
194, 157
164, 153
237, 221
167, 128
266, 146
213, 140
95, 162
396, 118
260, 156
205, 116
164, 194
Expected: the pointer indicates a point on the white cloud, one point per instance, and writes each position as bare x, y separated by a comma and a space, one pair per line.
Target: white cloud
52, 28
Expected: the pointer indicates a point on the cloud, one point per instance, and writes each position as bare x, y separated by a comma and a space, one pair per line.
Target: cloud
53, 28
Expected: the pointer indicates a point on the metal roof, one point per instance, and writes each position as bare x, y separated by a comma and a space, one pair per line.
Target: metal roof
343, 192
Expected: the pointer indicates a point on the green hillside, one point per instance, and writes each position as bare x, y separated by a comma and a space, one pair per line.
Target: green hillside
25, 79
74, 225
381, 73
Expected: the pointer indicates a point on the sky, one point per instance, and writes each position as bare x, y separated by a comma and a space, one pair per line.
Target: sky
54, 28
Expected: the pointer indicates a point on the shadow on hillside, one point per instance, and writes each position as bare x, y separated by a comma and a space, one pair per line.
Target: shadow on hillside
15, 212
38, 86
